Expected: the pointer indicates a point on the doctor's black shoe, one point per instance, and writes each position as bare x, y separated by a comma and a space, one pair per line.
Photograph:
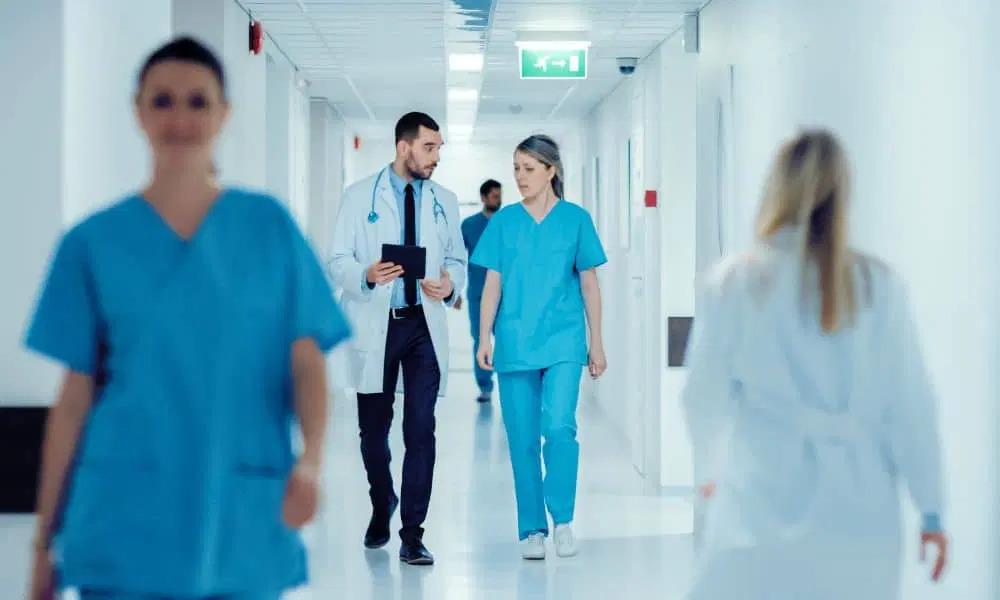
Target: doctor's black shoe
378, 534
415, 553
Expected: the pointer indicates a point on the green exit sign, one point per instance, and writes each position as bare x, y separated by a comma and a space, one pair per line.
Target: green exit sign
553, 64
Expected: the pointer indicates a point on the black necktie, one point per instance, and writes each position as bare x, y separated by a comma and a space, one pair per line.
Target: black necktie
410, 239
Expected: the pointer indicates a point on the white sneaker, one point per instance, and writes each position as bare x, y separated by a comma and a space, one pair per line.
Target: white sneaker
533, 547
565, 541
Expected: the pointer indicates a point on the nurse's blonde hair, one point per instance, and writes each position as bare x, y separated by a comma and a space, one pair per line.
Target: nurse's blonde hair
808, 188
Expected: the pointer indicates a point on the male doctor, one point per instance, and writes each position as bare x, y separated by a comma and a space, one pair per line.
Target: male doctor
399, 320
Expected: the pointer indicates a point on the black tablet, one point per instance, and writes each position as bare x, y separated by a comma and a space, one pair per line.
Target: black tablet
413, 259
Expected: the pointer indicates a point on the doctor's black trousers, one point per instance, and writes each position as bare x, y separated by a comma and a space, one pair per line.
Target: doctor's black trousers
408, 343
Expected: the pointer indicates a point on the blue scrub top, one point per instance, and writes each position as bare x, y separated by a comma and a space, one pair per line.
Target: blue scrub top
182, 466
541, 320
472, 230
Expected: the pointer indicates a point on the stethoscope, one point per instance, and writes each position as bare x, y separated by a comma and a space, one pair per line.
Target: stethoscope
437, 209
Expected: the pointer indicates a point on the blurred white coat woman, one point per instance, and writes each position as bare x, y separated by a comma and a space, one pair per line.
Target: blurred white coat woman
807, 402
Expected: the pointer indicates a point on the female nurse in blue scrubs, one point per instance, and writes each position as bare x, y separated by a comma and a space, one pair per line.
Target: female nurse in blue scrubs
541, 257
192, 322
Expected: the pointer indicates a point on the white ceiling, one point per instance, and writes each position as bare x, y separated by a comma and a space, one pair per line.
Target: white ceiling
377, 59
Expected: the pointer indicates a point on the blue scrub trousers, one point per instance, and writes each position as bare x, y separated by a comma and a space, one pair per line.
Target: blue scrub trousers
106, 595
484, 378
542, 404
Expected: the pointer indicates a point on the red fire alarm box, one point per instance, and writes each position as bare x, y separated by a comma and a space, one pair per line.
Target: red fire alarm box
650, 198
256, 37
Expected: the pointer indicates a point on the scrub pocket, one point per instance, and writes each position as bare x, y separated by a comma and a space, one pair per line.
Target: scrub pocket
509, 347
115, 512
557, 251
259, 548
257, 524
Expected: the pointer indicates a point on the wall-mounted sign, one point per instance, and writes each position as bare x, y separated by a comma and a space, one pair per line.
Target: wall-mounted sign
553, 63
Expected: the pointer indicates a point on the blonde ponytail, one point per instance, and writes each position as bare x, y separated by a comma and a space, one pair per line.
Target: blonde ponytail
808, 188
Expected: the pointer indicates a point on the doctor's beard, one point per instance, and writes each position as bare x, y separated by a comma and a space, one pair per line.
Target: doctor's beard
416, 172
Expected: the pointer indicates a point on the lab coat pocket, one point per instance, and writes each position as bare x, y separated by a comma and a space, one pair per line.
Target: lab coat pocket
359, 317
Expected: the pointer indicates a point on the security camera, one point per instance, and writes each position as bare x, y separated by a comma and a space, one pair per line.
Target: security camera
627, 64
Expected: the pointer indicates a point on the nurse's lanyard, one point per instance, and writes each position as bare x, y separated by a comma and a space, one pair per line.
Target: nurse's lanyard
437, 209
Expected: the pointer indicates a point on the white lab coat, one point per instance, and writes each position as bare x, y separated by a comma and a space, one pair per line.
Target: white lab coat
806, 433
357, 244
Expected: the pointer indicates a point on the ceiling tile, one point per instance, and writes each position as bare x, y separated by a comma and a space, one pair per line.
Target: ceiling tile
384, 57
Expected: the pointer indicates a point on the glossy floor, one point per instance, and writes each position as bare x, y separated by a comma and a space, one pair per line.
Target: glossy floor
633, 544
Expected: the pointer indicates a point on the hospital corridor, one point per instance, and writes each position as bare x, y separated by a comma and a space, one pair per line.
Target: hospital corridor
499, 299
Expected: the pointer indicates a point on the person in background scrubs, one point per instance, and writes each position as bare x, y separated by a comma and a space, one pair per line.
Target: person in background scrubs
192, 321
808, 401
541, 256
490, 193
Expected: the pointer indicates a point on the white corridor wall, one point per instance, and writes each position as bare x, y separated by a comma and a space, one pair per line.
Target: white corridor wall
71, 146
326, 171
608, 130
677, 207
907, 85
222, 25
32, 122
640, 138
287, 134
105, 154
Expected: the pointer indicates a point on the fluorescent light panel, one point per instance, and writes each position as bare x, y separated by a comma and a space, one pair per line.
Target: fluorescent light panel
458, 132
465, 62
463, 94
461, 113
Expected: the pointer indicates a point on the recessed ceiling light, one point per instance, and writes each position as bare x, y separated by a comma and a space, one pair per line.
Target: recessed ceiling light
465, 62
463, 94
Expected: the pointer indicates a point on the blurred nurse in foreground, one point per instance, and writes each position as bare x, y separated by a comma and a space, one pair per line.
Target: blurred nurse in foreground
808, 402
191, 321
